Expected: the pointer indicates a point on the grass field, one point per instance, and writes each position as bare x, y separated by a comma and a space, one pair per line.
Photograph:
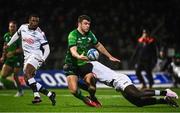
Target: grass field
111, 100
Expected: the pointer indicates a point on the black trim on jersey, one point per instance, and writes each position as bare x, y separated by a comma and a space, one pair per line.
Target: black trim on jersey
72, 45
26, 51
44, 43
96, 43
19, 33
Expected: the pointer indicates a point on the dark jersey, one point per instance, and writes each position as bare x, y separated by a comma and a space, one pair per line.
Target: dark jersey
13, 47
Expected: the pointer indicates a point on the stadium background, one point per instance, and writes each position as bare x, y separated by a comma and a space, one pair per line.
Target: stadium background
116, 23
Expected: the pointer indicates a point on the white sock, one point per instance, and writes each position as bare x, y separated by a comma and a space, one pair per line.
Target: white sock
49, 94
157, 92
36, 94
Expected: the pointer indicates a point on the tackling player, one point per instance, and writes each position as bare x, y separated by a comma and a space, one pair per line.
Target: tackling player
32, 39
76, 65
122, 83
12, 60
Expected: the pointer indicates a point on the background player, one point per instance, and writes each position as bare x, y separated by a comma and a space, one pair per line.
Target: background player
145, 58
80, 41
32, 39
12, 60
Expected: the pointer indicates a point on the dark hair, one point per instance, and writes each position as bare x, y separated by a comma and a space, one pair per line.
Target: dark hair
84, 17
13, 21
33, 15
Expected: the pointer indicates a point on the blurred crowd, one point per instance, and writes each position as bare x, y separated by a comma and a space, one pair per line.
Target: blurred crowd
116, 23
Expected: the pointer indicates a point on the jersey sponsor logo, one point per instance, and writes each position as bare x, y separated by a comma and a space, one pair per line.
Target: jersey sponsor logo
89, 39
28, 40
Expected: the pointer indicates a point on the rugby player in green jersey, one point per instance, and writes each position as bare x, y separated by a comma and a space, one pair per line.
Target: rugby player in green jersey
77, 64
12, 60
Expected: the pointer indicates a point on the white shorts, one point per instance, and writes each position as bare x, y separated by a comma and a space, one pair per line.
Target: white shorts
34, 60
110, 77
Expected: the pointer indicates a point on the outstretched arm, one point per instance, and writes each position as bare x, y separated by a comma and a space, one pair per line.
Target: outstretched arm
103, 50
75, 54
13, 39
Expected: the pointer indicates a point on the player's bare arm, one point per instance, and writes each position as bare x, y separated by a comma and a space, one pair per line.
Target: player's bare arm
104, 51
76, 54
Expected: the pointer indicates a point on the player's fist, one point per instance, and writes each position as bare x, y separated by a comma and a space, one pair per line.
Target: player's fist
82, 57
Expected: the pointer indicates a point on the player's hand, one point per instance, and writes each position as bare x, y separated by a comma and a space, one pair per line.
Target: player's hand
82, 57
114, 59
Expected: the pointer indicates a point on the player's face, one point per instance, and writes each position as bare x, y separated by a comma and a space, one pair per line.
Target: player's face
12, 27
33, 22
85, 25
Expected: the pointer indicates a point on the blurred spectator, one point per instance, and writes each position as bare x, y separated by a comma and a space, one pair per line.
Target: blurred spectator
175, 69
145, 58
114, 18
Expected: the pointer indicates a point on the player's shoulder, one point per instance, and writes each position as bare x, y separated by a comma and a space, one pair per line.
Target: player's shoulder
73, 32
6, 34
23, 26
39, 30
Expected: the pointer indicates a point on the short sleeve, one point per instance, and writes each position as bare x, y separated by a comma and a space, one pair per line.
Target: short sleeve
43, 39
94, 39
72, 40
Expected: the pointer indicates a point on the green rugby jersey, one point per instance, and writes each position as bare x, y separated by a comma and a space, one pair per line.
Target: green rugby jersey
83, 43
13, 47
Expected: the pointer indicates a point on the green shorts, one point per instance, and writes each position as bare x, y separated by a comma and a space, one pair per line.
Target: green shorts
13, 63
79, 71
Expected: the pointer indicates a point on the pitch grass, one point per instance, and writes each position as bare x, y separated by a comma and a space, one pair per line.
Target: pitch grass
112, 102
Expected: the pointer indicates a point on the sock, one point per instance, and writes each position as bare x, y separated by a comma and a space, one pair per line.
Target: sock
157, 92
161, 101
79, 95
32, 84
7, 83
91, 91
163, 93
44, 91
18, 84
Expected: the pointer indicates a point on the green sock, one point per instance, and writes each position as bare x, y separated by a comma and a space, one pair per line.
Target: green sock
7, 83
79, 95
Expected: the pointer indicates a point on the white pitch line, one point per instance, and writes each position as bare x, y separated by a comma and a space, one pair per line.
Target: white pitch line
69, 95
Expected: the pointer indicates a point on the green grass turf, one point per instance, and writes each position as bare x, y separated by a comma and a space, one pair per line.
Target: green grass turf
112, 102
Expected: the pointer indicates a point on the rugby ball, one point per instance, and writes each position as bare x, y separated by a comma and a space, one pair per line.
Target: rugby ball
93, 54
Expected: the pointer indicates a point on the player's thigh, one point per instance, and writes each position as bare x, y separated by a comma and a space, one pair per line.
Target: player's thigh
89, 79
29, 71
6, 70
33, 61
72, 83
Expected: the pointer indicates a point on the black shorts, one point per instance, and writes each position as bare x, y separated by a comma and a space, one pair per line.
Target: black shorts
79, 71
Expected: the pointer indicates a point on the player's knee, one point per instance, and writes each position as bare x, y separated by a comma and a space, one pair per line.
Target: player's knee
73, 90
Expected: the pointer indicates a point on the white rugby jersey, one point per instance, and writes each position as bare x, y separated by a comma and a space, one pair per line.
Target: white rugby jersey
31, 40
